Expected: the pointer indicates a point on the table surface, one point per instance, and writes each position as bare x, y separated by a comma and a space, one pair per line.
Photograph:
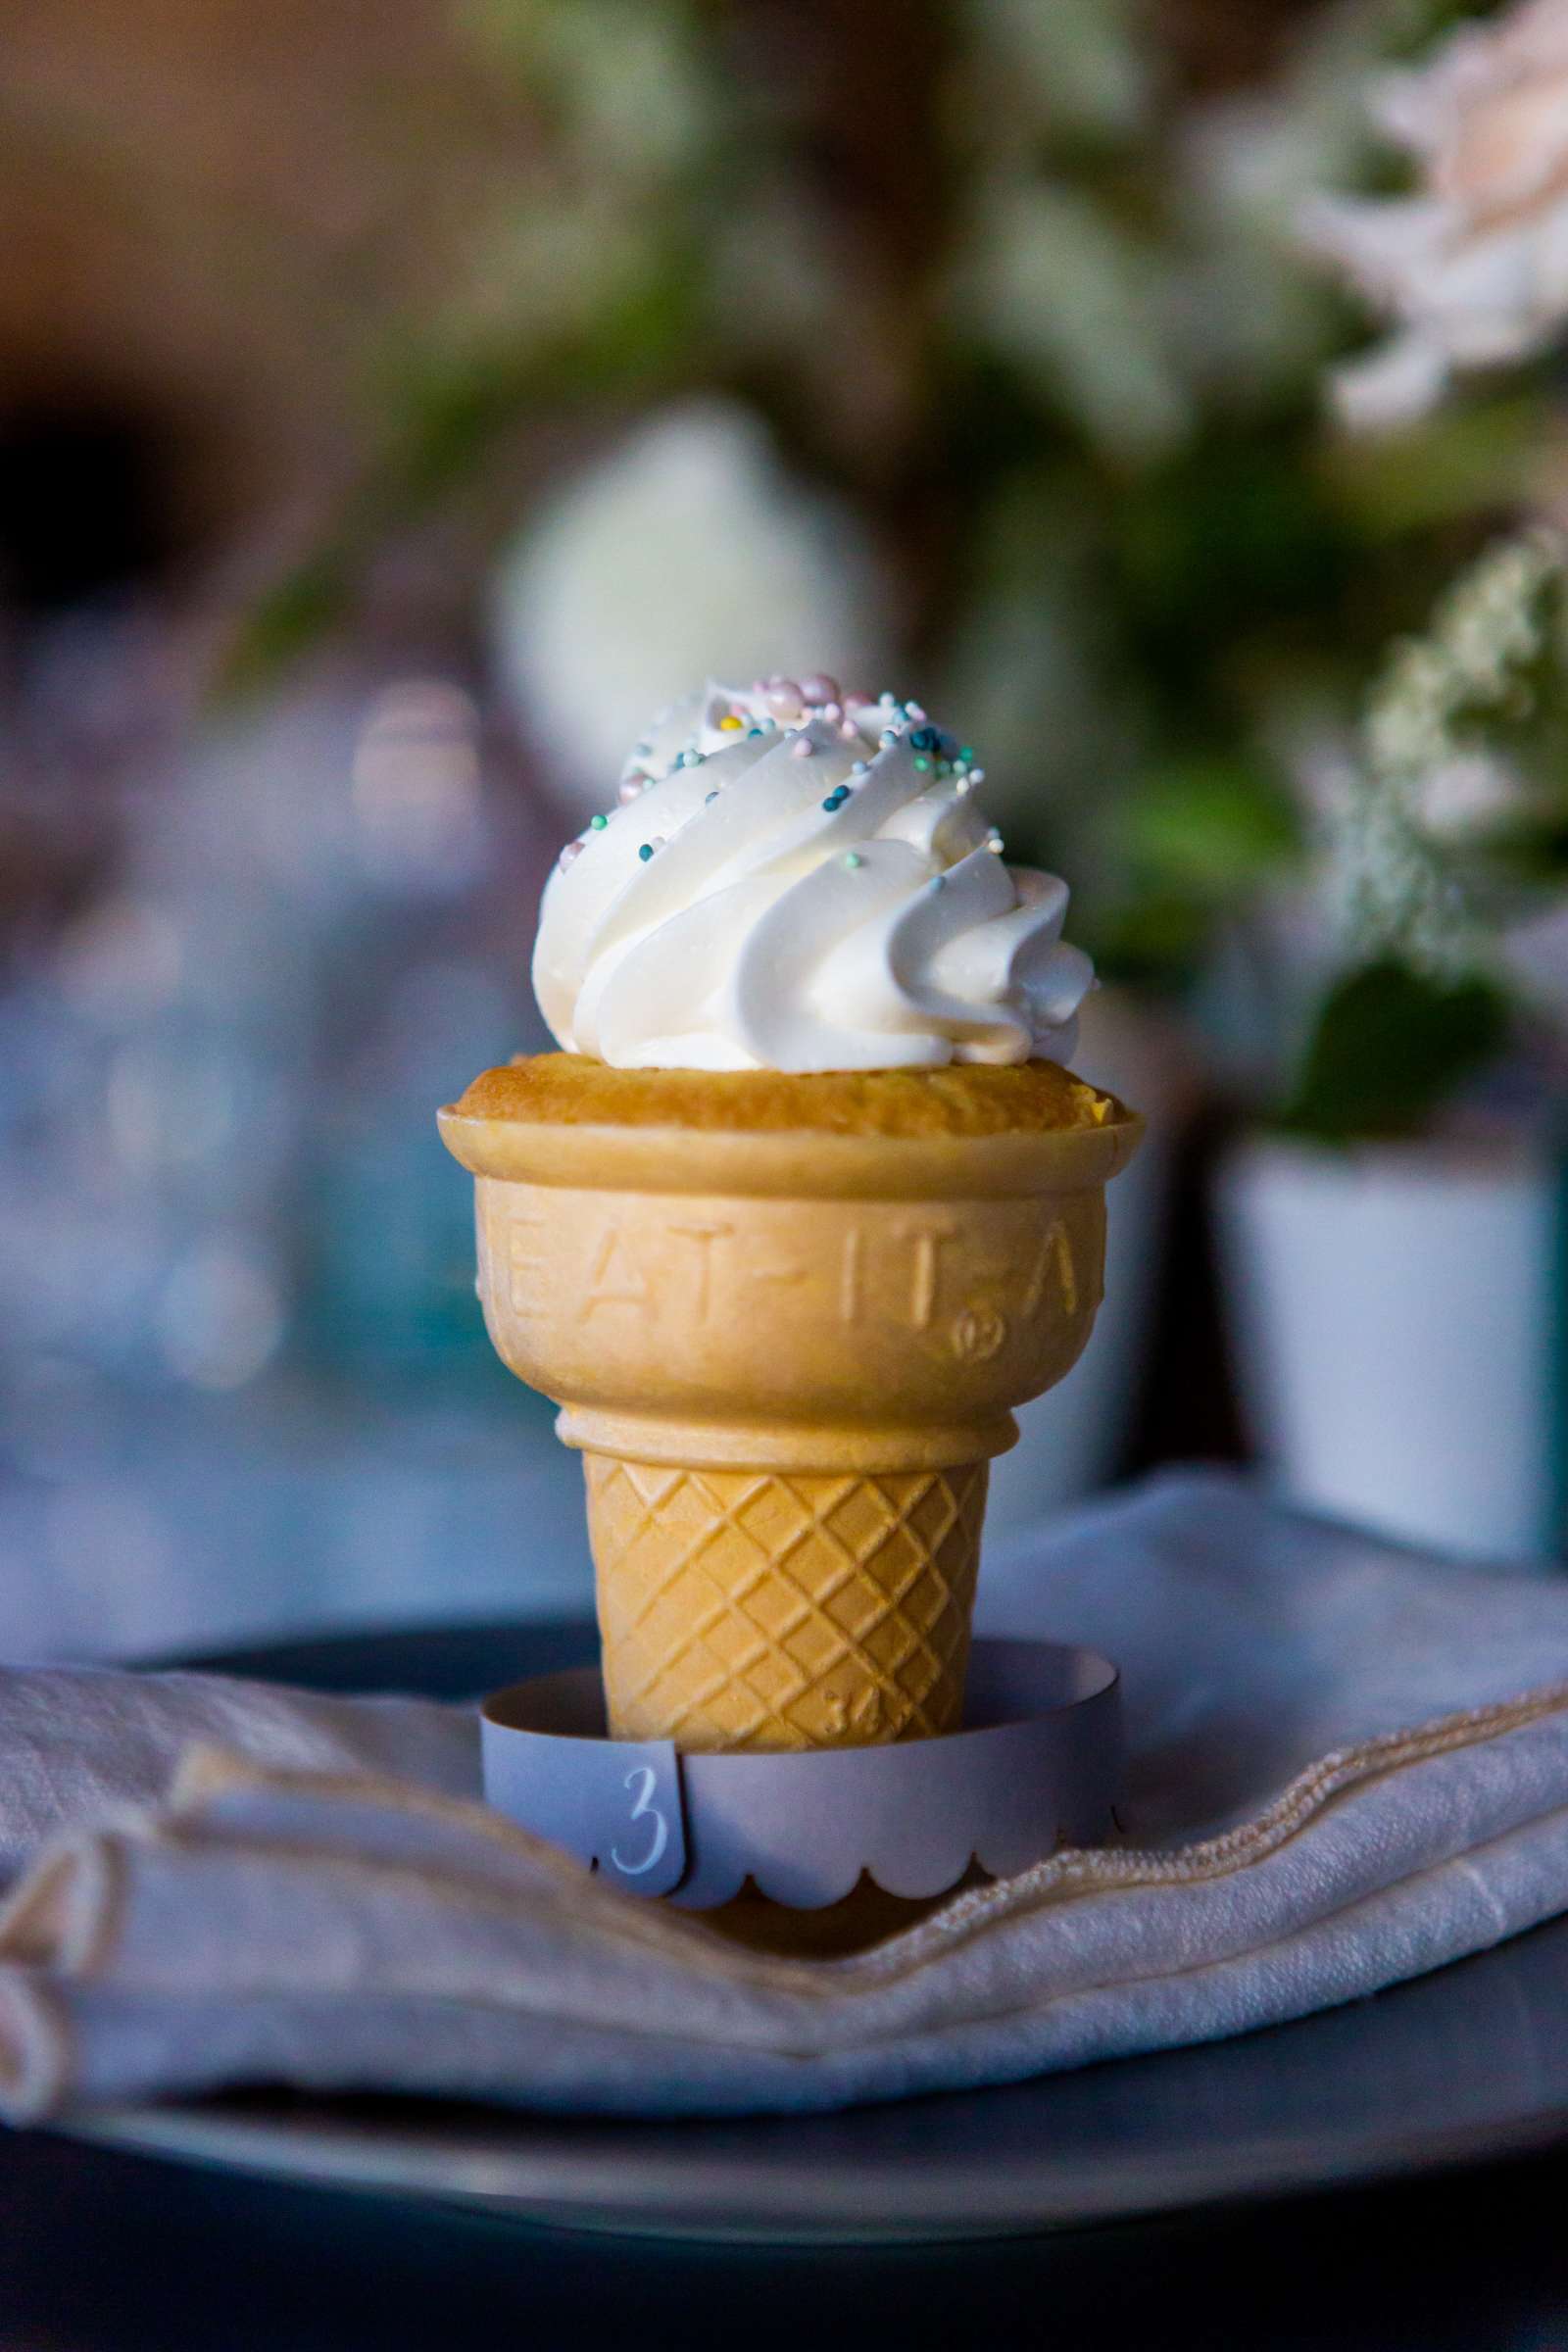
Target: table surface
100, 2247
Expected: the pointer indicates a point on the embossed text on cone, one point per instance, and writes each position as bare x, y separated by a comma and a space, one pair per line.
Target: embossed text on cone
788, 1358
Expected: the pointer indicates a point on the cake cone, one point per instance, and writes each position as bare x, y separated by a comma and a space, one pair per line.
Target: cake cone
788, 1358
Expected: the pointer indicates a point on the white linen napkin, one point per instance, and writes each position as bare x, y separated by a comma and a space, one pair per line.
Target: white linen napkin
1349, 1765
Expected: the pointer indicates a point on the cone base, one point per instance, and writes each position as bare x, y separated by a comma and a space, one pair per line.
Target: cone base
775, 1611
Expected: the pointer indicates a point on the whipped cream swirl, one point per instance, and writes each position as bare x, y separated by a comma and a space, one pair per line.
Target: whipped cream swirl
799, 881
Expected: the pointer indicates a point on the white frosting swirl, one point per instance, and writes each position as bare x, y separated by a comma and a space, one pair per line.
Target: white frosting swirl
723, 919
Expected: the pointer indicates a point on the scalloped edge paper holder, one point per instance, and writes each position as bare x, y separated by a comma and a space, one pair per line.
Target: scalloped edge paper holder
1036, 1767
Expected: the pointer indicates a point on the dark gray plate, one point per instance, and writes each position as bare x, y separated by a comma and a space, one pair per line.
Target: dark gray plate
1471, 2062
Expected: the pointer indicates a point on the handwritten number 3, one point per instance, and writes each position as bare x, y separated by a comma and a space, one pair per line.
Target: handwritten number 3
645, 1780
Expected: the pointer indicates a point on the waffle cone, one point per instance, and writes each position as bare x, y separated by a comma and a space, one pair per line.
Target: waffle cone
772, 1609
786, 1358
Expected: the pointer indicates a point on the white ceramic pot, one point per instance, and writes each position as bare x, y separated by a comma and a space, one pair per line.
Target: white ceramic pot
1394, 1315
1071, 1438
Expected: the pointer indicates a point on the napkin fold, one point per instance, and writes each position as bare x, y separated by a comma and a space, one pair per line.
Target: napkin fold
82, 1744
1349, 1765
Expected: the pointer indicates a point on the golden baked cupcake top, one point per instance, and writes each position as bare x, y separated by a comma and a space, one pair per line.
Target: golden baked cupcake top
968, 1099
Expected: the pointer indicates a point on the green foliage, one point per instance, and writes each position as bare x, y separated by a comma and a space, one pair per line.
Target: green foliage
1478, 459
1234, 529
1229, 568
1057, 283
1191, 841
619, 78
1150, 939
1213, 828
1530, 850
288, 617
1391, 1046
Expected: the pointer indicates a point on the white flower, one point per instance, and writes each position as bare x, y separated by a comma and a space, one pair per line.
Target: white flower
1408, 724
1473, 268
1460, 798
688, 552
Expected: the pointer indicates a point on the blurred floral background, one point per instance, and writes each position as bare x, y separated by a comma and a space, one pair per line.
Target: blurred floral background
396, 407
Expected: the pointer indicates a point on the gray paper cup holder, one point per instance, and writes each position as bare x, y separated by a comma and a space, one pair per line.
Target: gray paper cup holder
1035, 1767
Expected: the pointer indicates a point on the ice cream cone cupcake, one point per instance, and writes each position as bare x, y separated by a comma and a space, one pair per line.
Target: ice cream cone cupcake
805, 1207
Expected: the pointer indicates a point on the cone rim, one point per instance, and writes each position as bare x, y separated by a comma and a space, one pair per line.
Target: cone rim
797, 1164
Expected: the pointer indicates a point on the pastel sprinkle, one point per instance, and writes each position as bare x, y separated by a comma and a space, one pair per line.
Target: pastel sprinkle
597, 824
967, 751
977, 775
570, 854
730, 726
890, 736
923, 765
801, 747
914, 710
936, 882
633, 790
852, 858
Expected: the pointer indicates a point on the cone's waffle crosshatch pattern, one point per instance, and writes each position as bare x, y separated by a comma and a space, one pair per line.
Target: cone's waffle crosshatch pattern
769, 1610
